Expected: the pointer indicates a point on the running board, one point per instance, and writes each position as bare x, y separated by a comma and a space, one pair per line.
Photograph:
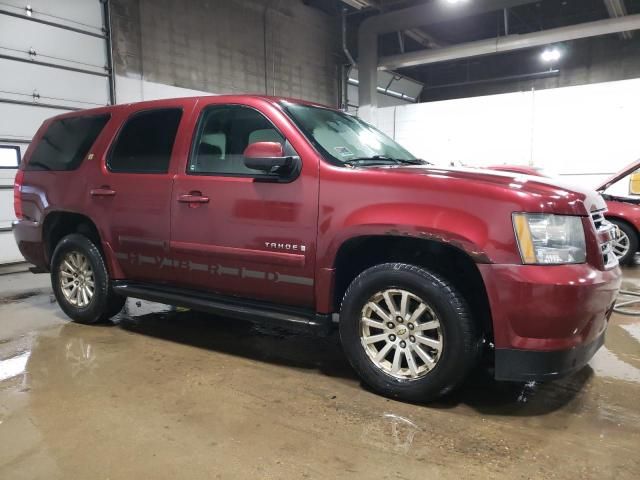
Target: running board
290, 318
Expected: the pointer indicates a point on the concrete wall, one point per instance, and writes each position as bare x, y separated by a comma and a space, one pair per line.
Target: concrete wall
582, 134
218, 46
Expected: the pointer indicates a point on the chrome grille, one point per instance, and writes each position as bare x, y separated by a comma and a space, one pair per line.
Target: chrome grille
606, 234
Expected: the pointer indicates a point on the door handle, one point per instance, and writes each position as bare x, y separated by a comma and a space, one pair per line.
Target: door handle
102, 192
193, 197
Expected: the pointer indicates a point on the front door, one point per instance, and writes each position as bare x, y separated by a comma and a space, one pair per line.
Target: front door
234, 235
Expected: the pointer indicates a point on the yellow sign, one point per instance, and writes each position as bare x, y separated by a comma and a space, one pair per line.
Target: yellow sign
634, 183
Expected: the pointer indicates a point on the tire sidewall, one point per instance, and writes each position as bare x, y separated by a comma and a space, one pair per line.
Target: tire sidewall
429, 288
94, 312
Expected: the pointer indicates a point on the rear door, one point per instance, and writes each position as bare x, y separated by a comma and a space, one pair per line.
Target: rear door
245, 238
130, 193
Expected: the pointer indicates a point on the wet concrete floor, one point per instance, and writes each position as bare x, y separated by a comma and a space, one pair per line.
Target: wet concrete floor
165, 393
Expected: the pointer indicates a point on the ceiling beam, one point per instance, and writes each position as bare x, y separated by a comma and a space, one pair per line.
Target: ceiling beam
512, 42
417, 16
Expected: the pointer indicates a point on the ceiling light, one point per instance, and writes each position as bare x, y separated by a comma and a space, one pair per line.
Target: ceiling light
550, 55
455, 2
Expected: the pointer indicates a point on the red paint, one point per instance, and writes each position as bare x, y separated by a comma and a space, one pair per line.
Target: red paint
197, 223
622, 210
264, 150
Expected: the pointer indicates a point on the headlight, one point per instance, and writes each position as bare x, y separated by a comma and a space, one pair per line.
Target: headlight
550, 239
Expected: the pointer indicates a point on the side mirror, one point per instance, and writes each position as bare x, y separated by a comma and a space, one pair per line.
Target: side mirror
269, 158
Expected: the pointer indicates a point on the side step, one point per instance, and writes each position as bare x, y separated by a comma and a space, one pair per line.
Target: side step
290, 318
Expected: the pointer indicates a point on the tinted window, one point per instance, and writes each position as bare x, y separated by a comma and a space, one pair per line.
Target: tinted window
224, 132
145, 142
66, 142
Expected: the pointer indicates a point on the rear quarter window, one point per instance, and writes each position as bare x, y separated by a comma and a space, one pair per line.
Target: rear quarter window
66, 142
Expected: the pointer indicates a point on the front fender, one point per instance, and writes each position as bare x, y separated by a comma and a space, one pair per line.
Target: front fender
455, 227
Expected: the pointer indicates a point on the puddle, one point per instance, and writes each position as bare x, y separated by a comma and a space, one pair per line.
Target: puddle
633, 329
14, 366
607, 364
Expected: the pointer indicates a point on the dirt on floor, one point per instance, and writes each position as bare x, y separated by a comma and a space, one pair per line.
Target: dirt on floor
169, 393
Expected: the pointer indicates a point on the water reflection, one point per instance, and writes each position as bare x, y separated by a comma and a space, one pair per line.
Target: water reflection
607, 364
391, 430
14, 366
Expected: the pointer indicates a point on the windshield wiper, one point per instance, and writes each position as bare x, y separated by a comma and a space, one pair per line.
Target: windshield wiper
373, 160
412, 161
385, 160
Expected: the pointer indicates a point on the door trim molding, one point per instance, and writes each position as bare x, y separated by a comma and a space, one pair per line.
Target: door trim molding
246, 254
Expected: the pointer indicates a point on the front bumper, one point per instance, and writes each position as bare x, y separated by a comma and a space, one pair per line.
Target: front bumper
526, 365
548, 321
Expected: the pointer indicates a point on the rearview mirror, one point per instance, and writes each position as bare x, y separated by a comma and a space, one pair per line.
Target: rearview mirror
269, 158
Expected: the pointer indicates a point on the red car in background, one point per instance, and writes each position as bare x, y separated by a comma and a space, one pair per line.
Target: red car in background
624, 212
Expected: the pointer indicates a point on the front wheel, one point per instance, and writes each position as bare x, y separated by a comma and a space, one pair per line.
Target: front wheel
80, 281
407, 332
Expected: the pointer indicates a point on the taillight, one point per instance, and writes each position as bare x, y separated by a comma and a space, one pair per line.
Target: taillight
17, 195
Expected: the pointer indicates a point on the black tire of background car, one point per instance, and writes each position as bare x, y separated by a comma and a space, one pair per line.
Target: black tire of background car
104, 303
461, 336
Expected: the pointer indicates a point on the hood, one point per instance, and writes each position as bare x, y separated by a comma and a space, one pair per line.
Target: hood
557, 194
633, 166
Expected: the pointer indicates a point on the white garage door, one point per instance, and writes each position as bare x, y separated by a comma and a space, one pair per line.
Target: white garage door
54, 57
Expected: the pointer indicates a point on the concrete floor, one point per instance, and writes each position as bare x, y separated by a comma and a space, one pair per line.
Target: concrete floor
172, 394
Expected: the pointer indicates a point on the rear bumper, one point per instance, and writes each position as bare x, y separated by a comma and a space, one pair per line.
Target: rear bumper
28, 236
526, 365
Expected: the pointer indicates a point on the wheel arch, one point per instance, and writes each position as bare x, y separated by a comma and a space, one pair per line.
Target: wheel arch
59, 223
451, 262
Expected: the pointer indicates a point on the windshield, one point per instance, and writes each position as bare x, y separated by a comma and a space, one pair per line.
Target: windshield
345, 139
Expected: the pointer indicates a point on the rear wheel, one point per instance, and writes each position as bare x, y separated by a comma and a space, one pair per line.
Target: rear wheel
407, 332
626, 243
80, 281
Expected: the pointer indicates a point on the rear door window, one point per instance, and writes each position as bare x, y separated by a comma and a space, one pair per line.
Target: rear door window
145, 142
66, 142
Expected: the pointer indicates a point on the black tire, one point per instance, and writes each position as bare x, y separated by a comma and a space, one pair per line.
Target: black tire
105, 303
460, 336
632, 235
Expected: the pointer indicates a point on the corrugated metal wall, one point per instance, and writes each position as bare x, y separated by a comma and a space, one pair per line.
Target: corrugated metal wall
53, 58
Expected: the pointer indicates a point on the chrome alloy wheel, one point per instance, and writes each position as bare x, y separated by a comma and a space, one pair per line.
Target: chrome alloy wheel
76, 279
621, 243
401, 334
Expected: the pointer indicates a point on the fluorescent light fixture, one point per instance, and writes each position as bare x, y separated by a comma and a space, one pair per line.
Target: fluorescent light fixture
455, 2
550, 55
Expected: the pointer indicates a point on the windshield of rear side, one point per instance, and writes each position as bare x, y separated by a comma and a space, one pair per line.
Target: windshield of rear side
341, 137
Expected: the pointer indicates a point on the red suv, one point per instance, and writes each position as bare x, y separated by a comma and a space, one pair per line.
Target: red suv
288, 212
